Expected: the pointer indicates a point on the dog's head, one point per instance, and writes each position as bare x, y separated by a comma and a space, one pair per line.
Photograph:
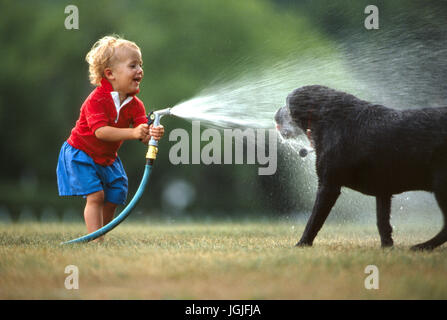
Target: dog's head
305, 107
296, 116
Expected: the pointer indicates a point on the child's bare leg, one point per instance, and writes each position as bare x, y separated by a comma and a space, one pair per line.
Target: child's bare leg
108, 212
93, 211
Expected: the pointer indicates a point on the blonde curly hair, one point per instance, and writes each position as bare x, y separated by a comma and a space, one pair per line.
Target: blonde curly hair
101, 55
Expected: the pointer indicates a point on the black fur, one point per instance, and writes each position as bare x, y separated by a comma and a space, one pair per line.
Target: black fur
369, 148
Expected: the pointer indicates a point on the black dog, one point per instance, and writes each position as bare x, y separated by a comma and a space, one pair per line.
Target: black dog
372, 149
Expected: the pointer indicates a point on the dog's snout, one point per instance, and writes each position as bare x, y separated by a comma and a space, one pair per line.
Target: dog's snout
284, 123
277, 116
280, 115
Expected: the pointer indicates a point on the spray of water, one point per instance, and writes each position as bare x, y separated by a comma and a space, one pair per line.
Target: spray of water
252, 100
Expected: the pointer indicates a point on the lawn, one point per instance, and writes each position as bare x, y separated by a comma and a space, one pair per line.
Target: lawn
218, 260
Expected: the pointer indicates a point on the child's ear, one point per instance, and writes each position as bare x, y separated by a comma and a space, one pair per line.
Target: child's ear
109, 74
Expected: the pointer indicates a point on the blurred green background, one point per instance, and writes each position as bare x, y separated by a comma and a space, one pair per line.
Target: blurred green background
186, 46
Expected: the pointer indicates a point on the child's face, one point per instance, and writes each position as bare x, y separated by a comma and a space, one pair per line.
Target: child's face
126, 71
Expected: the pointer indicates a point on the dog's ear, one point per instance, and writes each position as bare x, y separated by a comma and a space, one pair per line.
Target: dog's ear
302, 116
308, 104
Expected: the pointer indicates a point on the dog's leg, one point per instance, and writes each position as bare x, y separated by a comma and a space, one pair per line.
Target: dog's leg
326, 197
383, 220
441, 237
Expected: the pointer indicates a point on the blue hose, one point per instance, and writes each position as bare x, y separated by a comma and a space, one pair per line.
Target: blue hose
123, 215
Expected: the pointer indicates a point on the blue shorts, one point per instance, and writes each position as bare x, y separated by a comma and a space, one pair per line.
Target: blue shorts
79, 175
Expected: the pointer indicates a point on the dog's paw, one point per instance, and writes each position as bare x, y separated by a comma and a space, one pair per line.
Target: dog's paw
387, 244
303, 244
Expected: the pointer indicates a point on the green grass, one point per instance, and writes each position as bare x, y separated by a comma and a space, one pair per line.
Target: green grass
247, 260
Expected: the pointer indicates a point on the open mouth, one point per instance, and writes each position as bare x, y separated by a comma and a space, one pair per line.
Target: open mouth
137, 80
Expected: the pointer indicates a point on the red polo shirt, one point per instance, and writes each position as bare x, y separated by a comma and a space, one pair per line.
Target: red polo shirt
97, 111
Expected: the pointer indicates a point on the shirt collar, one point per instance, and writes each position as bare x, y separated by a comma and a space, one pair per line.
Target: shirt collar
107, 87
116, 99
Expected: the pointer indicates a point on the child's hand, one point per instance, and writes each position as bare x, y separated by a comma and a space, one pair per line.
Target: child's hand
141, 132
156, 132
